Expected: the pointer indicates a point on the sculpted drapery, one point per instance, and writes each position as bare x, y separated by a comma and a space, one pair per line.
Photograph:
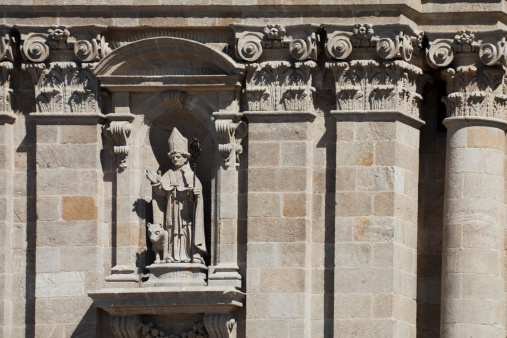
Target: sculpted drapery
178, 191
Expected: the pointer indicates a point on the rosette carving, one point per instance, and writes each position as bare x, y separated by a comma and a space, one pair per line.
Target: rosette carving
35, 48
275, 32
249, 47
440, 54
338, 47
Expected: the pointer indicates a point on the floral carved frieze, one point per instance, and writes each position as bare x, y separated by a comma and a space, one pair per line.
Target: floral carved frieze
63, 44
301, 42
279, 86
475, 91
474, 71
389, 42
372, 85
64, 87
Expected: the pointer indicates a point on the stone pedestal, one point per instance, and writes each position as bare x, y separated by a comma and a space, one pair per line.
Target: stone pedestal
176, 274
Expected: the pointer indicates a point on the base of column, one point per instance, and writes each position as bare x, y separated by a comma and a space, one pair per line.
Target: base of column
224, 275
123, 276
176, 274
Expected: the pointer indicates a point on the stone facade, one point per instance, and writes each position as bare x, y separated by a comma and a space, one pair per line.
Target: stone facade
252, 168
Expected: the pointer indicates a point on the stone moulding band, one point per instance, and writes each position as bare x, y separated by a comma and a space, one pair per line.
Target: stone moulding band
364, 115
72, 118
476, 120
168, 300
6, 117
307, 115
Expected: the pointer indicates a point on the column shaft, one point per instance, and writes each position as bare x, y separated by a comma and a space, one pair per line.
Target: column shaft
473, 242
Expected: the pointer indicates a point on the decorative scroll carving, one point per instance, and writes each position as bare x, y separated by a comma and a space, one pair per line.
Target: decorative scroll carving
300, 40
280, 86
390, 44
35, 48
64, 88
475, 91
230, 134
492, 50
371, 85
119, 132
219, 325
87, 46
125, 326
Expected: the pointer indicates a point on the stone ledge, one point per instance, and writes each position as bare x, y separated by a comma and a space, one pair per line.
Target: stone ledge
476, 121
68, 118
277, 115
377, 115
6, 117
168, 300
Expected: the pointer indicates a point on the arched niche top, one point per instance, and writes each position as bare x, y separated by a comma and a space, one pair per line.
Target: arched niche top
168, 63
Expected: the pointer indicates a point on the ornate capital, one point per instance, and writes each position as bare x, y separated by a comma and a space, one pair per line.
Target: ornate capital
64, 87
280, 86
231, 132
300, 41
389, 42
118, 130
365, 85
489, 47
219, 325
67, 44
476, 91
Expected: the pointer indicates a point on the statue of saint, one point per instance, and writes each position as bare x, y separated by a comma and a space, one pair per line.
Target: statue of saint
180, 191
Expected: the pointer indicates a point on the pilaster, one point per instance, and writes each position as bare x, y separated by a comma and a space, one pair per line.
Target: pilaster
473, 239
378, 95
7, 119
224, 269
279, 102
70, 235
126, 179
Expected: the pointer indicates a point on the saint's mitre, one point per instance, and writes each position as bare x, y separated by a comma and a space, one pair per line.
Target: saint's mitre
177, 142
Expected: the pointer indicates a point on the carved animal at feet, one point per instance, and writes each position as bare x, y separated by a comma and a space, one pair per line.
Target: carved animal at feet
159, 242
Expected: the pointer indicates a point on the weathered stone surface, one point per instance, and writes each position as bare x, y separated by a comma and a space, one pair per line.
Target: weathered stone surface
322, 200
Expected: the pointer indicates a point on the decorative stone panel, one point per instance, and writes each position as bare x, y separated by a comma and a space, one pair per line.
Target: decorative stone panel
279, 86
